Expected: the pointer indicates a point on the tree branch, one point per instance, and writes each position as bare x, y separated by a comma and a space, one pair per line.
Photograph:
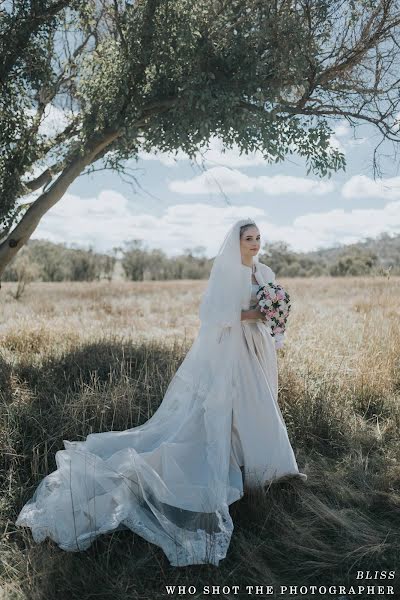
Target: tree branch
95, 148
22, 232
39, 182
25, 29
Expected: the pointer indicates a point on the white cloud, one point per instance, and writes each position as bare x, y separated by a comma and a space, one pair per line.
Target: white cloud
337, 144
53, 121
99, 221
341, 137
108, 221
358, 142
214, 180
361, 186
168, 159
232, 181
342, 129
325, 229
215, 153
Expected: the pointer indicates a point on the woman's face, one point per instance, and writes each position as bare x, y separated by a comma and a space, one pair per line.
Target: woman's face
250, 242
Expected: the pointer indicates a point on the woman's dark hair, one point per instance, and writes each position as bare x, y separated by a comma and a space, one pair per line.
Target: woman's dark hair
244, 227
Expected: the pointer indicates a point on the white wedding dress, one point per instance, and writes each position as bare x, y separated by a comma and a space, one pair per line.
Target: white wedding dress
172, 479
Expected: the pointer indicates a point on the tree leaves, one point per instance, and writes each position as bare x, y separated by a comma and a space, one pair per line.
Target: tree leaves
170, 75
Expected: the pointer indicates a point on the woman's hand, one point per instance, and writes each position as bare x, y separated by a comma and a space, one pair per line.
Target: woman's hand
258, 314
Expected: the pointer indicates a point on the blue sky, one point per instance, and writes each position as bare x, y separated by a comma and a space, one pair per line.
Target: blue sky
180, 204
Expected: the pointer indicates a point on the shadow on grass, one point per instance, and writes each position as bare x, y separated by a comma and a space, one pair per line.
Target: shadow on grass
286, 534
104, 360
5, 380
343, 519
100, 386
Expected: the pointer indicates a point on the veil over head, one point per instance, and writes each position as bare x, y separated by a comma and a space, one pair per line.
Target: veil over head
221, 302
170, 479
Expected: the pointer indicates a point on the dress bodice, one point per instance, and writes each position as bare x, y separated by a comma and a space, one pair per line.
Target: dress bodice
253, 298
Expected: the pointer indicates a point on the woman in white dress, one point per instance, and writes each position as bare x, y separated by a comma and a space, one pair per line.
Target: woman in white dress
219, 427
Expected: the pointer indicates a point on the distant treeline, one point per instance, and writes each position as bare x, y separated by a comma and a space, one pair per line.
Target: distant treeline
41, 260
373, 256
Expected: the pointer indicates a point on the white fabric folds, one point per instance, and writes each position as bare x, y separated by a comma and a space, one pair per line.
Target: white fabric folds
169, 480
172, 479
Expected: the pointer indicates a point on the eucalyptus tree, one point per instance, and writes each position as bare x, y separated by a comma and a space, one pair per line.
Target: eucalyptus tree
169, 75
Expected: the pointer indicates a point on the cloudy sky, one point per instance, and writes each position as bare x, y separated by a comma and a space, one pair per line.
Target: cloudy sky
177, 204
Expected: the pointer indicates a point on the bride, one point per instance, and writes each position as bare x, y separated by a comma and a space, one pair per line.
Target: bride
219, 427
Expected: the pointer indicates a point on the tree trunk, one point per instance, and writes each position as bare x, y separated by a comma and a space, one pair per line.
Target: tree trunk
31, 219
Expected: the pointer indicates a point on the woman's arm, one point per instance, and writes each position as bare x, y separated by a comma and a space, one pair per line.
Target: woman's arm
249, 314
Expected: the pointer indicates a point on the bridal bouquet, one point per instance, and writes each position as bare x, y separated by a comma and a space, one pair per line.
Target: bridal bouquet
274, 302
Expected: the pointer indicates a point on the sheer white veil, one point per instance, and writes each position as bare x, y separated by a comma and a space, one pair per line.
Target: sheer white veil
221, 302
171, 479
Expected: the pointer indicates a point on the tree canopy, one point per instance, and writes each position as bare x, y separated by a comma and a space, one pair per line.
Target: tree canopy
171, 74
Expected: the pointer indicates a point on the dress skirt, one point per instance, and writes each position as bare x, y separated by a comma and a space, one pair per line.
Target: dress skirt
260, 442
171, 480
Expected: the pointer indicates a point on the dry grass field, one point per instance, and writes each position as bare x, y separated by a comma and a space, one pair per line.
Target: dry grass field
83, 357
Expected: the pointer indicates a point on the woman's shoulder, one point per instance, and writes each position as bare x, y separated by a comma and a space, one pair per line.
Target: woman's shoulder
266, 270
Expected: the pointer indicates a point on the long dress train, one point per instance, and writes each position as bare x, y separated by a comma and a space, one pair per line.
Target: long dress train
172, 479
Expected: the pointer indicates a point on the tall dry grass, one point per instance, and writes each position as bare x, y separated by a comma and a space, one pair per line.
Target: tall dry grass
77, 358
